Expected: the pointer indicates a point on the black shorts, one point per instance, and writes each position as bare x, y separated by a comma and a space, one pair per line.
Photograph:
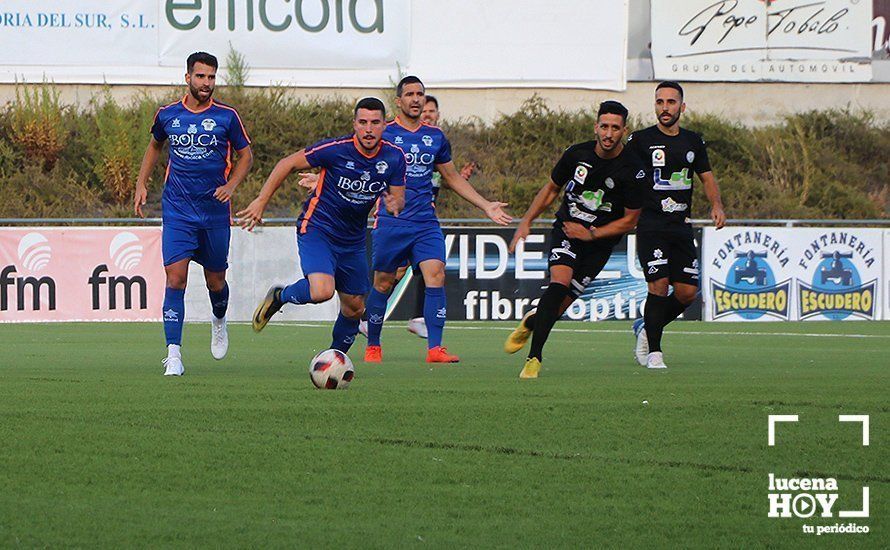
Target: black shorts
586, 258
670, 255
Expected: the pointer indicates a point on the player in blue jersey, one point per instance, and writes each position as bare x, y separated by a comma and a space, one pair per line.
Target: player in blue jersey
356, 171
415, 234
198, 187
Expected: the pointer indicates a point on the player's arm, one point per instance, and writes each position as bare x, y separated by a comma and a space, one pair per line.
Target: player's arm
615, 228
494, 210
149, 159
253, 214
712, 190
541, 202
224, 193
394, 199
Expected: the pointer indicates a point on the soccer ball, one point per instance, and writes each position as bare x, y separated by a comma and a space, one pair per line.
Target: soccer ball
331, 369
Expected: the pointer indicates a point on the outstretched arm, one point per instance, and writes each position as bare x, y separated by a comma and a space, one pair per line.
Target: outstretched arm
253, 214
541, 202
494, 210
149, 159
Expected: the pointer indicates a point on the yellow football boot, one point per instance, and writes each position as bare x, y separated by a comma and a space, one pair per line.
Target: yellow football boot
531, 369
520, 335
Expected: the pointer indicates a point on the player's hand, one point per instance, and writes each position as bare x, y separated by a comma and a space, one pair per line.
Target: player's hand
718, 216
577, 231
251, 216
495, 211
308, 180
520, 234
467, 171
223, 193
393, 204
139, 200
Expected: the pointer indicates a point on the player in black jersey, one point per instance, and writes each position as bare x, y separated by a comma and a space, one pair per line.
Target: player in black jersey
665, 246
601, 203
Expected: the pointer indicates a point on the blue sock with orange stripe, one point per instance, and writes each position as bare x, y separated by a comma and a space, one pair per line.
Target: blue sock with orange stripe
174, 314
434, 315
344, 333
375, 308
297, 293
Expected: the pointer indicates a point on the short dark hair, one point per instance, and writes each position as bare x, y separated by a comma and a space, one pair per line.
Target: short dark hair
611, 107
432, 99
371, 104
410, 79
201, 57
672, 85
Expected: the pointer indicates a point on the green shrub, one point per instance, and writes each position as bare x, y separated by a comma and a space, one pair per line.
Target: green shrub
59, 161
36, 125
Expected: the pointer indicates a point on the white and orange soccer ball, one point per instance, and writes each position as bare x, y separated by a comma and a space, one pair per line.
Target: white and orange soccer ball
331, 369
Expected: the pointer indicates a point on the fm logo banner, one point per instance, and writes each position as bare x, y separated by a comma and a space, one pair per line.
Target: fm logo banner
75, 274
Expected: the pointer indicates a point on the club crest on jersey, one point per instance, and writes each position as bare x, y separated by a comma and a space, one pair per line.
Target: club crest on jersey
381, 167
580, 174
427, 140
658, 157
399, 140
610, 183
690, 156
175, 123
208, 124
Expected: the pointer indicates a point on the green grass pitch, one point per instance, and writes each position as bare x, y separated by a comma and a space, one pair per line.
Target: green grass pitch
97, 449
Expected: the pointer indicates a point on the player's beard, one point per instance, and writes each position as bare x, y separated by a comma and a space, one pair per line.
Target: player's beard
196, 94
671, 121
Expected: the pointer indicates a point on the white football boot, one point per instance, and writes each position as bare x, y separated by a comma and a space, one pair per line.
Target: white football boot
219, 337
363, 327
173, 366
655, 361
418, 326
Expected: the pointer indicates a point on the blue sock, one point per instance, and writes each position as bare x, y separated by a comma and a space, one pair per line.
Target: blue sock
375, 308
297, 293
344, 333
220, 301
174, 314
434, 315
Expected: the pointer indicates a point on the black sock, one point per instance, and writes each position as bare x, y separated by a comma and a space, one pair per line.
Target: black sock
530, 322
653, 317
546, 316
674, 309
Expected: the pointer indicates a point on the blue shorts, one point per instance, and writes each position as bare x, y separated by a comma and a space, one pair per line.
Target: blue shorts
209, 247
347, 263
398, 244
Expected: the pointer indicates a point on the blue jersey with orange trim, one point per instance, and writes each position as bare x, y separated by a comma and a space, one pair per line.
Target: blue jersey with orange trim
348, 186
201, 145
424, 148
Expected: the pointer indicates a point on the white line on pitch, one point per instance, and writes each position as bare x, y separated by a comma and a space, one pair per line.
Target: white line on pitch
628, 331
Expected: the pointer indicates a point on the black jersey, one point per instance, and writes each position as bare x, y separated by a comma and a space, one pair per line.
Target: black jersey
597, 190
669, 163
